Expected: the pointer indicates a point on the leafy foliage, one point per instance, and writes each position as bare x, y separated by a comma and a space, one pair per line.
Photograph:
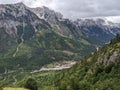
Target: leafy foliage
116, 40
31, 84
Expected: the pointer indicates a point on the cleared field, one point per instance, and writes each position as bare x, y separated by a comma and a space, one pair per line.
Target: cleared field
14, 88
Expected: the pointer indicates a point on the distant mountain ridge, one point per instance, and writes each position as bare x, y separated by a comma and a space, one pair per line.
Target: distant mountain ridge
101, 28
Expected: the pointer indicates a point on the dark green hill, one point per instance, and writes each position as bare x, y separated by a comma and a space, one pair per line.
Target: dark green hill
100, 71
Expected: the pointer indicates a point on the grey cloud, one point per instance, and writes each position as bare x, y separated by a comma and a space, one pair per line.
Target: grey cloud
9, 1
88, 8
77, 8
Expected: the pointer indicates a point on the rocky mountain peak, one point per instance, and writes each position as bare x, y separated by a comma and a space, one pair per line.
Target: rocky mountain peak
13, 16
20, 3
47, 14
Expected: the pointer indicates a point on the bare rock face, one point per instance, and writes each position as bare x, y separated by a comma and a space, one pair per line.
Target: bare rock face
47, 14
14, 15
114, 58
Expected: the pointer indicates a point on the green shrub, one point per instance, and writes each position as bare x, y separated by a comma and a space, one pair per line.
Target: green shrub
99, 70
31, 84
108, 68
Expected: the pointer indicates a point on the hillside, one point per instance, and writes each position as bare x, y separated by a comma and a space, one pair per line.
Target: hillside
99, 71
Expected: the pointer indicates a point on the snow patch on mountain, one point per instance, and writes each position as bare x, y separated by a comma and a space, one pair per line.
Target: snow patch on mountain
109, 20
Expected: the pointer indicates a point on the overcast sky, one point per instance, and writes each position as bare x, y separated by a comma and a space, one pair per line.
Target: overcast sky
76, 8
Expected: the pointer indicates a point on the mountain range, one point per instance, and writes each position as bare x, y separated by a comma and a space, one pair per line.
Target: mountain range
33, 37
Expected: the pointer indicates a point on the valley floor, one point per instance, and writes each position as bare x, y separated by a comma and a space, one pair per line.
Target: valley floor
56, 67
